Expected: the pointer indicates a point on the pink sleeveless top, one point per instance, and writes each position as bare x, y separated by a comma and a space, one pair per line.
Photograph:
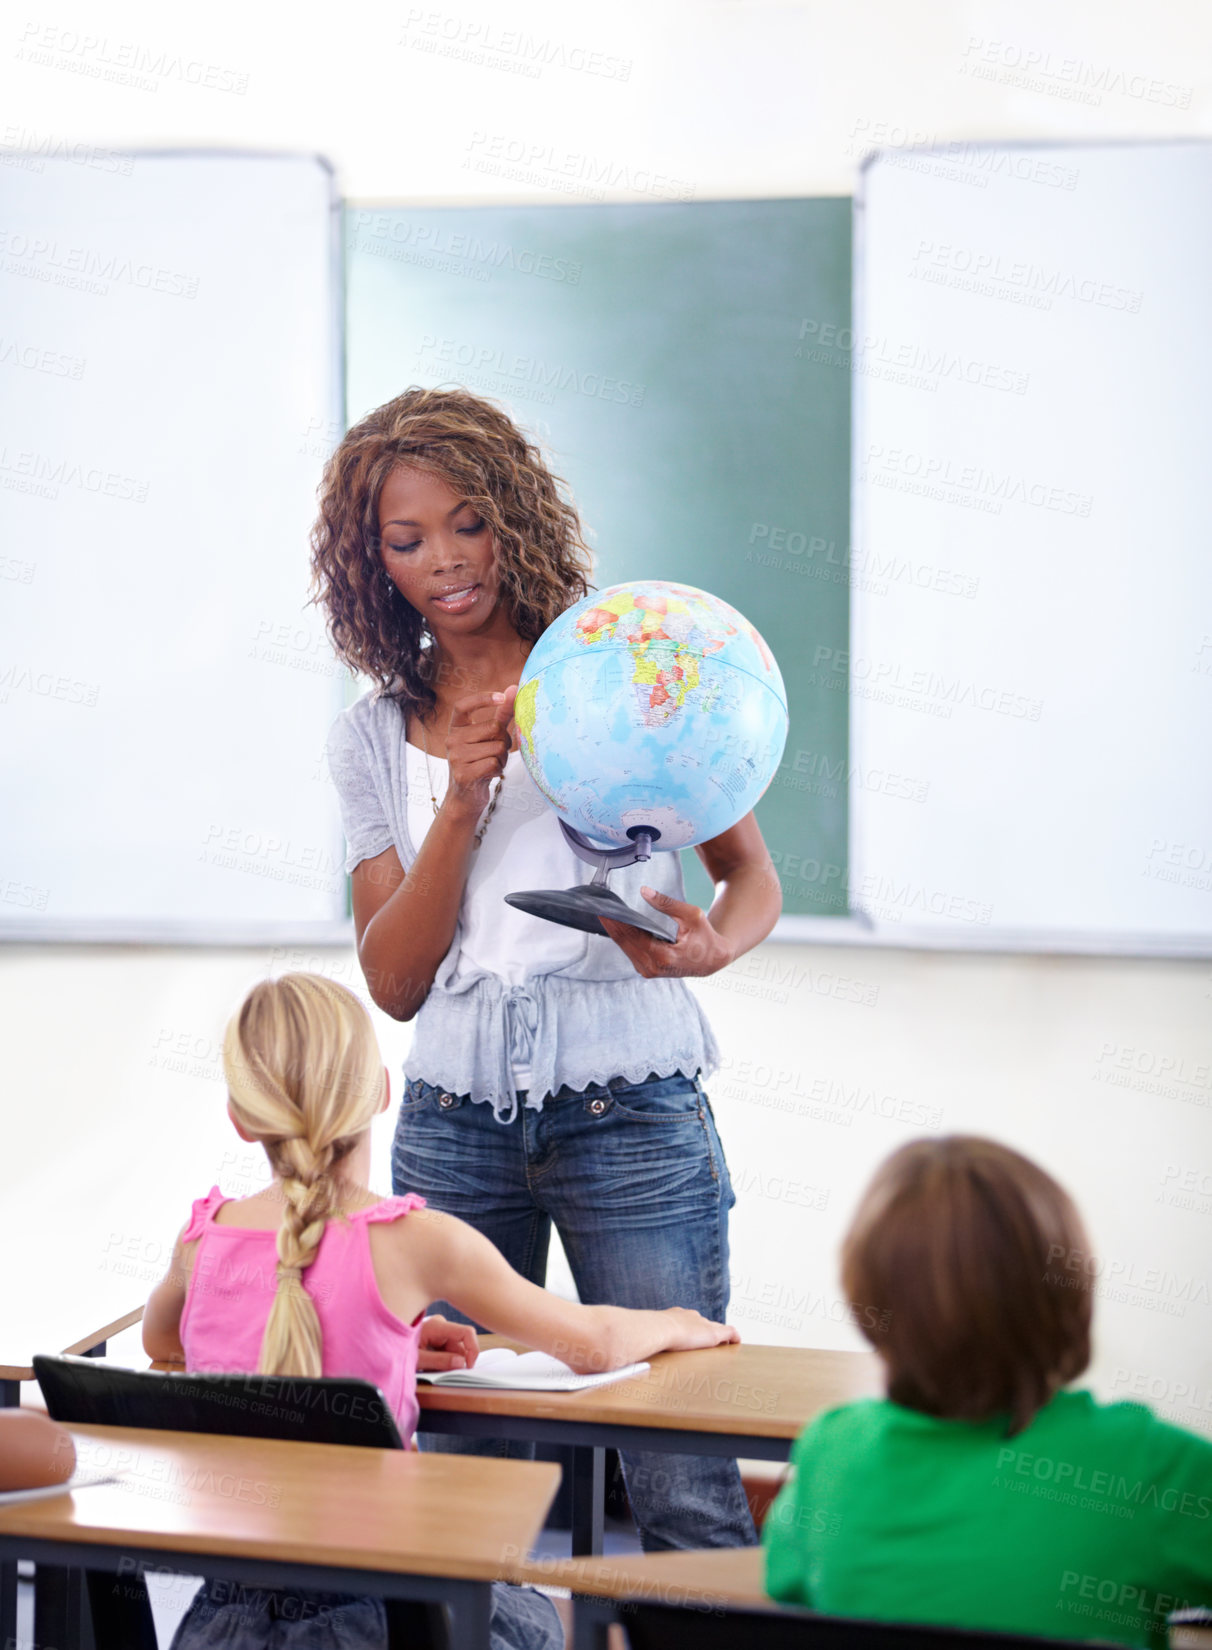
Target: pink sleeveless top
231, 1289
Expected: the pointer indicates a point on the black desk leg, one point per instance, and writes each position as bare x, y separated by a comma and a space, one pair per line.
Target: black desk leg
10, 1397
590, 1623
471, 1603
61, 1614
588, 1500
8, 1604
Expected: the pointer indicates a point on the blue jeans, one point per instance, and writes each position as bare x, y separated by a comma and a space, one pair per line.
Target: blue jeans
634, 1178
227, 1615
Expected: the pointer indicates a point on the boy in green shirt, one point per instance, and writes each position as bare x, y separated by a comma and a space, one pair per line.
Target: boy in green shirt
979, 1493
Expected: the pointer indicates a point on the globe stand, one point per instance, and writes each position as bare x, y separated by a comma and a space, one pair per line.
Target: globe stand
582, 906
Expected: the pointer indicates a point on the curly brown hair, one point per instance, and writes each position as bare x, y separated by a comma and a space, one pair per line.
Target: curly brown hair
543, 562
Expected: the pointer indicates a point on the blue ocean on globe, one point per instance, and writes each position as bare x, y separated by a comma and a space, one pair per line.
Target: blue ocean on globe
651, 704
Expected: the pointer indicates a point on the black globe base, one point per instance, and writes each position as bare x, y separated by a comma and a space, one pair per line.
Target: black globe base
582, 907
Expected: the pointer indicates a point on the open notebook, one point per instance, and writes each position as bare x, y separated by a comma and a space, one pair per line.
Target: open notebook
532, 1371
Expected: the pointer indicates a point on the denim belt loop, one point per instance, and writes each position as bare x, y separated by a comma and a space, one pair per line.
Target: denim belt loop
704, 1102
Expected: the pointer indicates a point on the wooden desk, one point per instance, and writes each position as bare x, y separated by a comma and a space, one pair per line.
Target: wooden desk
702, 1581
730, 1577
704, 1578
729, 1400
761, 1395
323, 1516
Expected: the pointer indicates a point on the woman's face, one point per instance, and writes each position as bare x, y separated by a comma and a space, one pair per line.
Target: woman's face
437, 552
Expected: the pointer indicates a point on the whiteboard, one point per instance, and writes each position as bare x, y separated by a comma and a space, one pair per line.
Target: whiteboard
1031, 626
170, 384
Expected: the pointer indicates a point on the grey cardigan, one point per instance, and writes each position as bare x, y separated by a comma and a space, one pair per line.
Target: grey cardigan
586, 1022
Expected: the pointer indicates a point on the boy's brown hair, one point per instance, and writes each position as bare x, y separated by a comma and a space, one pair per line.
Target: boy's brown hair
954, 1240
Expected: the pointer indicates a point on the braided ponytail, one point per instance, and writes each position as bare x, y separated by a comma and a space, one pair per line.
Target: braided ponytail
304, 1077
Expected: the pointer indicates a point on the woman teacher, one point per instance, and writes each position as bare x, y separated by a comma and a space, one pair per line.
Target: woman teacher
554, 1076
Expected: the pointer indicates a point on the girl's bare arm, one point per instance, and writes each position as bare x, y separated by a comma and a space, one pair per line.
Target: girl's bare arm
165, 1304
447, 1259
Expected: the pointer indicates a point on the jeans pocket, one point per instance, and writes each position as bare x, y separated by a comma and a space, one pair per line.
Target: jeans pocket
660, 1100
417, 1097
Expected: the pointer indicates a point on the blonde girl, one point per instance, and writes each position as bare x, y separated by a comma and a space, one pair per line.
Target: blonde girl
318, 1275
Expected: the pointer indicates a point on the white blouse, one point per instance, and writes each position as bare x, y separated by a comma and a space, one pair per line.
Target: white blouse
517, 853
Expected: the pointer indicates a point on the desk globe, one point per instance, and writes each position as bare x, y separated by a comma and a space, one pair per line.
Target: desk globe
651, 716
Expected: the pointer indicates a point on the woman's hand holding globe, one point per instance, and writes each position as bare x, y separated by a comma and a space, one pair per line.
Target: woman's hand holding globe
699, 948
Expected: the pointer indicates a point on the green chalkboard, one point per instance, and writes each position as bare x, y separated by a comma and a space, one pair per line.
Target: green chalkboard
683, 367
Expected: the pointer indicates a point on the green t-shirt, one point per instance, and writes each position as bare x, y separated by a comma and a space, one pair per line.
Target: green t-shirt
1093, 1522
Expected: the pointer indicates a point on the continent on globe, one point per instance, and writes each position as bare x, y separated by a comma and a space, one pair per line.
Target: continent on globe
666, 643
523, 715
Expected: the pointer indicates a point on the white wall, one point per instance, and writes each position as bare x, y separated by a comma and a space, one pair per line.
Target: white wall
1100, 1068
832, 1057
730, 97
